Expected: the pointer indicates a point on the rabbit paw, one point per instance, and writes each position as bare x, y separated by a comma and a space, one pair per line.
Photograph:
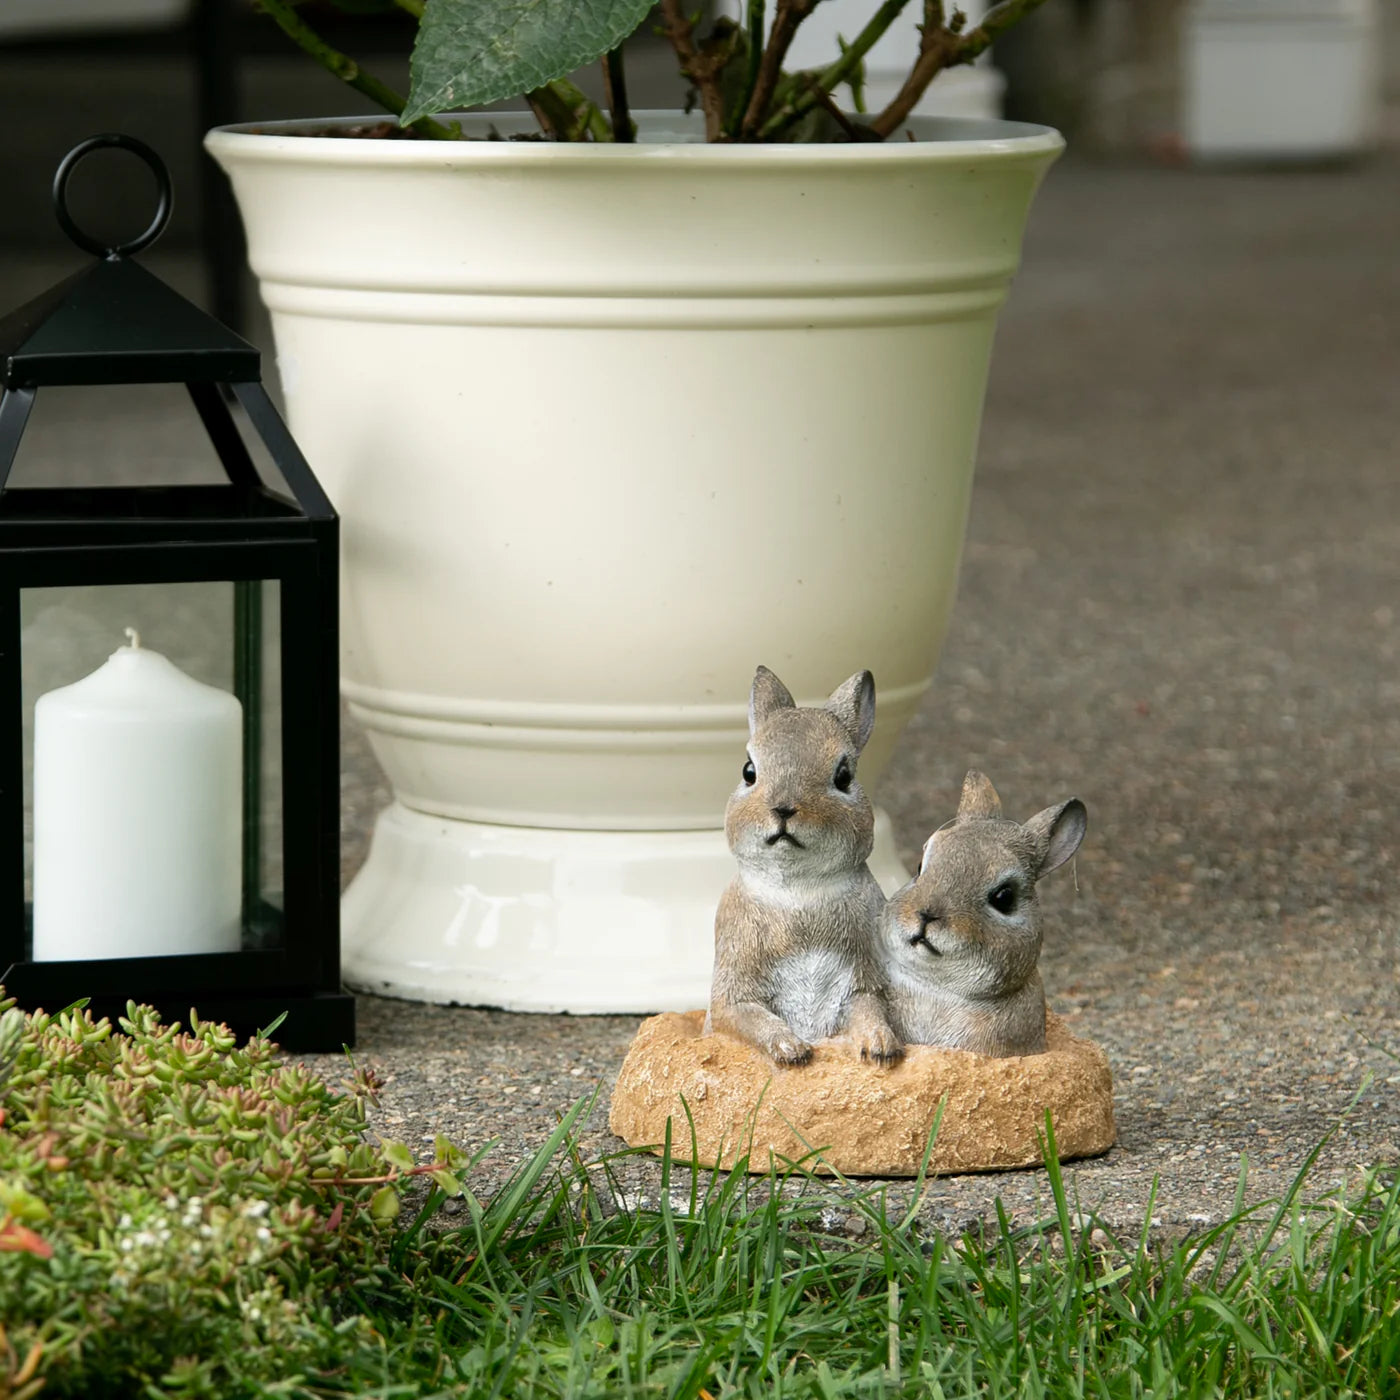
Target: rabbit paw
789, 1050
880, 1044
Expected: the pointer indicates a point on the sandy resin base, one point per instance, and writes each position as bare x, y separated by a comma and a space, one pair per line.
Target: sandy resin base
866, 1121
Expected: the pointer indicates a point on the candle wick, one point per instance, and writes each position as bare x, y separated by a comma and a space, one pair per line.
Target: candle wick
133, 637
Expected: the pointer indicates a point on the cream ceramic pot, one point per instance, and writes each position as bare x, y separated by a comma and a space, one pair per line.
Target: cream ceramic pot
607, 427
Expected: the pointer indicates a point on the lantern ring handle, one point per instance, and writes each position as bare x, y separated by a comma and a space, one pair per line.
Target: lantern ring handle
60, 195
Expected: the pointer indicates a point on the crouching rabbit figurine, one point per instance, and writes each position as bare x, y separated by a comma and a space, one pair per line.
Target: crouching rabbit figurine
795, 930
959, 944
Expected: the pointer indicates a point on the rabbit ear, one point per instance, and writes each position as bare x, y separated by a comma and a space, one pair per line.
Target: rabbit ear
853, 703
927, 851
1057, 832
979, 797
768, 694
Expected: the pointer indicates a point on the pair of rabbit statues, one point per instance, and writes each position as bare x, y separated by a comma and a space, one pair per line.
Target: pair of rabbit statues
807, 947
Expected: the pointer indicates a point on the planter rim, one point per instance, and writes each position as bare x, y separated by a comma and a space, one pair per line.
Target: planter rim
938, 141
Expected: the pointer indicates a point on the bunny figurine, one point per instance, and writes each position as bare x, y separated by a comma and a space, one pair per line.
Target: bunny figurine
960, 942
795, 930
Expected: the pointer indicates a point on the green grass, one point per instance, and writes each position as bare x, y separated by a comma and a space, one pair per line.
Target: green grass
739, 1288
179, 1217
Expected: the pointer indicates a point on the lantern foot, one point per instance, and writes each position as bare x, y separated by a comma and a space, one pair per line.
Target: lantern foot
529, 919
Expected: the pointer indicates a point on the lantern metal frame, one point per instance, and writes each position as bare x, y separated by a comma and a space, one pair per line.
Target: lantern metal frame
115, 323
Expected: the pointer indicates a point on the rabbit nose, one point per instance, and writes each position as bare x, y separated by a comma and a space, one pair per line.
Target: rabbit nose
784, 812
928, 919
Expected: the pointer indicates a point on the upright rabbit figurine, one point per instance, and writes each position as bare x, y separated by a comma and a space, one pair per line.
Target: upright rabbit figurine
795, 930
960, 942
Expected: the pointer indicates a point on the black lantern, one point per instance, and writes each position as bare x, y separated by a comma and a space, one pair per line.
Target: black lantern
169, 820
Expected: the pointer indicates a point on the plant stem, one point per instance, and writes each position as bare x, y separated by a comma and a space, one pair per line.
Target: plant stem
345, 68
758, 11
996, 21
538, 98
615, 88
412, 7
936, 50
838, 72
944, 47
825, 101
696, 66
787, 17
566, 113
422, 1169
856, 81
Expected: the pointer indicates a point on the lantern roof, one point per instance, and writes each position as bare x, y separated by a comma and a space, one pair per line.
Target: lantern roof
113, 322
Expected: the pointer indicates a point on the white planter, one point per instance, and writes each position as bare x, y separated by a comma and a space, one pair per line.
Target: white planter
607, 427
1281, 79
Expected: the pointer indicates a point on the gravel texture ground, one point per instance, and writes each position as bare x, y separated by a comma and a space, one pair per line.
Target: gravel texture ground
1180, 600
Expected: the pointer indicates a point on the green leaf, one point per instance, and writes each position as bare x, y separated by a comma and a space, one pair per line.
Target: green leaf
384, 1204
396, 1155
16, 1201
448, 1153
473, 51
269, 1030
447, 1182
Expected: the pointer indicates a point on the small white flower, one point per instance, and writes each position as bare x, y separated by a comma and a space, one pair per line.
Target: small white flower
255, 1210
263, 1234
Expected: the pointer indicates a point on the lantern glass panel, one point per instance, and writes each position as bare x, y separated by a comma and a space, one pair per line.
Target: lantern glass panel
145, 791
115, 435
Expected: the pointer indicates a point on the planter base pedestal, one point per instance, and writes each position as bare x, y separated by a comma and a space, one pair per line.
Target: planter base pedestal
462, 913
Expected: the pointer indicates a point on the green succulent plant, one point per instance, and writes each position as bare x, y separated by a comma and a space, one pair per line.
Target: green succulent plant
179, 1210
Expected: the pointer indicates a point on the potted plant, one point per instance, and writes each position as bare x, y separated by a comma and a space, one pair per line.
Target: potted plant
615, 406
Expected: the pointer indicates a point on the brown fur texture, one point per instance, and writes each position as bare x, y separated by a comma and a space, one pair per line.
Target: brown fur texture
959, 945
794, 932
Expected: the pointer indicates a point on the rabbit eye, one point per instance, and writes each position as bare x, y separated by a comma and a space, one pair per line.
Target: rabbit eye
843, 776
1003, 898
749, 772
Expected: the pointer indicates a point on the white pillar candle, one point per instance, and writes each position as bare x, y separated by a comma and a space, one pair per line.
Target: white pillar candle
138, 813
